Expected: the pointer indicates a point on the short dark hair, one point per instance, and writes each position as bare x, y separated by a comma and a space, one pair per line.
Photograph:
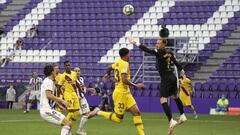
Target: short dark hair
123, 52
65, 62
48, 69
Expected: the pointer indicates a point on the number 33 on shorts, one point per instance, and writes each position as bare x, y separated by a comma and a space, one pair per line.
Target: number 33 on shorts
121, 107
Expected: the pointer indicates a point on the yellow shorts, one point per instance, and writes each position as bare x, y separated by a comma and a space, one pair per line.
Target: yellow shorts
122, 102
186, 100
73, 101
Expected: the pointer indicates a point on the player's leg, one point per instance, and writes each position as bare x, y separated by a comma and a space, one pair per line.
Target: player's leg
85, 111
180, 106
192, 108
38, 95
66, 128
11, 104
73, 107
8, 105
30, 101
119, 100
137, 119
57, 118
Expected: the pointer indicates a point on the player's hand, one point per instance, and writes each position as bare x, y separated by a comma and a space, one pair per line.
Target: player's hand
140, 85
106, 77
64, 103
133, 41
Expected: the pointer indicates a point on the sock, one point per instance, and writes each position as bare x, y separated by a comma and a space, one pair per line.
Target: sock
167, 111
179, 105
193, 109
83, 121
110, 116
65, 130
73, 116
28, 106
137, 120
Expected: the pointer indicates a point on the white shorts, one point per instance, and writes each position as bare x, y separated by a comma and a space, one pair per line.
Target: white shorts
52, 116
34, 95
84, 107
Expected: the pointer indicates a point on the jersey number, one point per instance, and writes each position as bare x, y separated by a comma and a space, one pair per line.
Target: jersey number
121, 106
117, 76
168, 62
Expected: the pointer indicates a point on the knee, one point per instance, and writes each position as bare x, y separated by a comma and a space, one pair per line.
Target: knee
119, 117
137, 113
66, 122
175, 97
163, 100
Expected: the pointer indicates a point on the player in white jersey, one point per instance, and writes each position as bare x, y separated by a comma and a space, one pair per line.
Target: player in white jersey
84, 107
48, 101
34, 91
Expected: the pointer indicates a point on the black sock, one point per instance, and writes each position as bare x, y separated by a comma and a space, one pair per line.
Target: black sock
167, 111
179, 105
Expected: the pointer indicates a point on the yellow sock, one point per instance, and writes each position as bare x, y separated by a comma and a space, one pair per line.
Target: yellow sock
110, 116
73, 116
137, 120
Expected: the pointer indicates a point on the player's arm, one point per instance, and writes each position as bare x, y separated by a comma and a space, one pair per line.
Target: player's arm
61, 103
142, 47
128, 82
178, 65
109, 70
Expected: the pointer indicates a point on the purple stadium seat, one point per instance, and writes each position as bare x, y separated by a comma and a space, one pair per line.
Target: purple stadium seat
198, 86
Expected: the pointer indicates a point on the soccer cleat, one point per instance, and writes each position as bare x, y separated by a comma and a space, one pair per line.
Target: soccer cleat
25, 111
195, 116
81, 132
96, 110
182, 119
172, 125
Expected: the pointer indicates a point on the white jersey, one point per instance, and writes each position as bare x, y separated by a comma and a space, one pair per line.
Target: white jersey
35, 83
45, 103
81, 82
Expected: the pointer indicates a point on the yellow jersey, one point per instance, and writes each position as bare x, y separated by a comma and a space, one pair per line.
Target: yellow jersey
120, 67
185, 86
68, 81
57, 78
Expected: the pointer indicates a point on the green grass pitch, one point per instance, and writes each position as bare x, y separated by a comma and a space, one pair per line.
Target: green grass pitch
15, 122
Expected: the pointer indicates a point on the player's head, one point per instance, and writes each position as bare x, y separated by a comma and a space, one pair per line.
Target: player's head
67, 66
161, 43
57, 69
11, 86
34, 74
124, 54
78, 71
49, 70
223, 96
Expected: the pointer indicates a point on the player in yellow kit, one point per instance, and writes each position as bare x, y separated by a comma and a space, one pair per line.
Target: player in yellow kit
185, 94
60, 91
122, 97
68, 81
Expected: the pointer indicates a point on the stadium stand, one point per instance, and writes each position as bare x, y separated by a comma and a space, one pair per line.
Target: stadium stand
90, 32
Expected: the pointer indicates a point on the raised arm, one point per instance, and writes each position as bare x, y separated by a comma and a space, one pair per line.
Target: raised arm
178, 65
142, 47
107, 75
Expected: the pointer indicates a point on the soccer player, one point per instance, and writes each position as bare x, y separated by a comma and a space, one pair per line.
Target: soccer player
185, 93
122, 97
164, 63
48, 100
84, 107
60, 90
68, 82
34, 93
